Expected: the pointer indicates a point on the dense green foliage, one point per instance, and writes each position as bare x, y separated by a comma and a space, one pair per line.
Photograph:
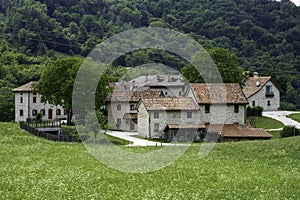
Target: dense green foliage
289, 131
254, 111
34, 168
56, 83
227, 63
264, 34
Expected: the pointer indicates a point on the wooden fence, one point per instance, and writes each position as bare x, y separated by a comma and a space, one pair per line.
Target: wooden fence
31, 127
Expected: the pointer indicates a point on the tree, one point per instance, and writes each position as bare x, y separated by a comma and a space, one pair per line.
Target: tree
227, 64
56, 83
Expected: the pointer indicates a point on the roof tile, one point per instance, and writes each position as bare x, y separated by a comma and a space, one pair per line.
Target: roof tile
217, 93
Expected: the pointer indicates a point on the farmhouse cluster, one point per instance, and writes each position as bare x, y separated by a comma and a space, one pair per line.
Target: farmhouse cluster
160, 106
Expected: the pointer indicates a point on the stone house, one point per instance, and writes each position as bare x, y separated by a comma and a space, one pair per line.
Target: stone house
28, 104
261, 91
121, 106
219, 103
155, 114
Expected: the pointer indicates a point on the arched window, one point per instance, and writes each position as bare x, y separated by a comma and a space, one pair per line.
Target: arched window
58, 112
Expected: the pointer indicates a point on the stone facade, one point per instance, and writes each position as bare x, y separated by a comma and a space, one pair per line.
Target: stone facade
269, 101
223, 114
28, 104
121, 106
231, 111
153, 117
116, 113
261, 91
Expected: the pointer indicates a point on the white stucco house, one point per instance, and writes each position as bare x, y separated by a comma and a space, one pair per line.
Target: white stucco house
28, 104
261, 91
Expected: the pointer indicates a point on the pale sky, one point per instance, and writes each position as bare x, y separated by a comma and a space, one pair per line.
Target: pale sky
297, 2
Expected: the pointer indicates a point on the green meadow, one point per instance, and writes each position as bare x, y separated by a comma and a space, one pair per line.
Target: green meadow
295, 116
34, 168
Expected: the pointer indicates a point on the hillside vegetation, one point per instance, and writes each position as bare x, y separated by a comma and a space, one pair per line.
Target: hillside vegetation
264, 34
33, 168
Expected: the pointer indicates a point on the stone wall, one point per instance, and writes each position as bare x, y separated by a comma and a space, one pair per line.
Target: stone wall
143, 121
261, 99
114, 114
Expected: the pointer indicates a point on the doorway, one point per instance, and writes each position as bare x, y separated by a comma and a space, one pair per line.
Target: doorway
50, 114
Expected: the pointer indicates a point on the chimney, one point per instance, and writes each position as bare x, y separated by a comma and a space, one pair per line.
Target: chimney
256, 75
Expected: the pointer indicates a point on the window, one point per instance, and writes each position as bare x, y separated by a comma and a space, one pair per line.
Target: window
65, 112
269, 92
156, 127
58, 112
253, 103
34, 112
156, 115
269, 103
207, 108
34, 100
119, 121
180, 94
132, 107
189, 114
21, 113
269, 89
236, 108
21, 100
118, 107
43, 112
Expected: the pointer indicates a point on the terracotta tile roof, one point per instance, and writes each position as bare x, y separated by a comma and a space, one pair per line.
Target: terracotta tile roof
218, 93
171, 103
132, 96
130, 116
238, 131
185, 126
28, 87
252, 85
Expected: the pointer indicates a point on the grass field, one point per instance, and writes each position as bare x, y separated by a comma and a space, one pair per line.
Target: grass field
276, 134
295, 116
267, 123
33, 168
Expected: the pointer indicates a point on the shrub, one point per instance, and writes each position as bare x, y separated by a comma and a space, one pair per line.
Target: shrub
254, 111
289, 131
287, 106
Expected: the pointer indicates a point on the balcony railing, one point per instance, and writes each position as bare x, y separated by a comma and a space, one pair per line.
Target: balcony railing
269, 94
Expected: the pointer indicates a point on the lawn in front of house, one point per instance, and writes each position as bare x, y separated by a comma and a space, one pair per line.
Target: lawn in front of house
295, 116
34, 168
266, 123
276, 134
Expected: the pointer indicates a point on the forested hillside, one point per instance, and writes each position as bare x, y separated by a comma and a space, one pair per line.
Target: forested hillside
264, 34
